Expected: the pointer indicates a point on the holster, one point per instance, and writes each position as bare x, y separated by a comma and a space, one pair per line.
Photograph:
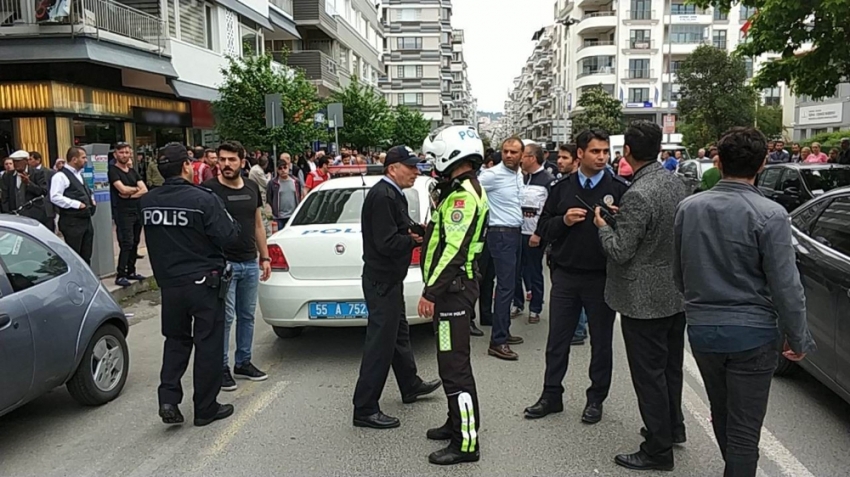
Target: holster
220, 279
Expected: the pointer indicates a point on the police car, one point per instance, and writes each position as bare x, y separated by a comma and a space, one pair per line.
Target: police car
317, 259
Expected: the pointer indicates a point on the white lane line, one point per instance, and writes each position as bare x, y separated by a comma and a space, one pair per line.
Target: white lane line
769, 445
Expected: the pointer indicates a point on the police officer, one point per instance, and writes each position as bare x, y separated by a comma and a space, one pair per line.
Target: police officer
578, 275
453, 241
186, 228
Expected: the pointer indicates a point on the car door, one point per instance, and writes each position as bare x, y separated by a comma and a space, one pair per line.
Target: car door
790, 193
17, 353
689, 172
768, 181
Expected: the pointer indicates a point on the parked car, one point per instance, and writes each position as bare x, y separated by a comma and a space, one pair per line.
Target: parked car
691, 172
821, 238
58, 324
792, 185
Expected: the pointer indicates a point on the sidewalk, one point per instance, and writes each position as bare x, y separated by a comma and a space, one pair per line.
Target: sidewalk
143, 267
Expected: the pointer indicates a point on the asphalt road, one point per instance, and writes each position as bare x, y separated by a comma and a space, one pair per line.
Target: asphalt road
298, 423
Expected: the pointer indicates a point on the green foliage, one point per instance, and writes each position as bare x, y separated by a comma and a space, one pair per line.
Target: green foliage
601, 110
368, 118
827, 140
409, 127
240, 111
769, 121
715, 95
787, 28
485, 139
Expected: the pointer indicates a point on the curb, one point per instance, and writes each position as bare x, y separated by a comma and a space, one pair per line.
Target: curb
141, 286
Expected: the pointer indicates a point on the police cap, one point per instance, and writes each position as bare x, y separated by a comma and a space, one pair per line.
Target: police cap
172, 153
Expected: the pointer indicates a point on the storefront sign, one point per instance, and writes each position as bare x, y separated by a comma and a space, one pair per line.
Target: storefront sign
669, 122
645, 104
156, 117
685, 19
202, 115
821, 114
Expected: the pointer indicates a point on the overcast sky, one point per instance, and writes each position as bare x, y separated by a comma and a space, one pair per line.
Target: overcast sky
497, 43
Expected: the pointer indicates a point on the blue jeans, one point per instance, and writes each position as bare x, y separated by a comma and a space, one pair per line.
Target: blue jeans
530, 271
240, 305
505, 249
581, 329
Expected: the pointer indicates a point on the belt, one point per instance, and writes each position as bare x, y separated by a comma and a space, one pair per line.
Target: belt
499, 228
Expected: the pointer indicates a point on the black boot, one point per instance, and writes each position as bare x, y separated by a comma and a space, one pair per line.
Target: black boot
640, 460
452, 456
543, 407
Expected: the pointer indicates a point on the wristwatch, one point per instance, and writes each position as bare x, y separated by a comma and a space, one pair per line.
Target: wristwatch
265, 259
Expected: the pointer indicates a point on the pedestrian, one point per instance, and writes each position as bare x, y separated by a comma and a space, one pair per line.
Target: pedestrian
244, 203
624, 170
75, 203
205, 167
711, 176
388, 242
844, 154
258, 175
154, 178
578, 275
36, 161
22, 185
795, 152
453, 240
833, 155
537, 180
283, 194
778, 154
740, 280
816, 156
640, 287
504, 187
319, 175
126, 188
487, 269
186, 228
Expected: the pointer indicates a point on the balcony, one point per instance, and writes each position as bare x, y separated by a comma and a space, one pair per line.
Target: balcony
639, 46
597, 48
640, 17
685, 46
688, 16
101, 19
318, 67
639, 75
594, 76
597, 22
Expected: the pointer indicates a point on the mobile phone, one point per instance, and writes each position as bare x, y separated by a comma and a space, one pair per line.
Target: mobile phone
416, 228
606, 212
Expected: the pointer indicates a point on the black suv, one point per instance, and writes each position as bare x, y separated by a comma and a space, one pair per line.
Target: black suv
792, 185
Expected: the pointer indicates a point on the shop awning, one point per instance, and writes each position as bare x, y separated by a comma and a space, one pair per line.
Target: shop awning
283, 22
193, 91
247, 12
63, 50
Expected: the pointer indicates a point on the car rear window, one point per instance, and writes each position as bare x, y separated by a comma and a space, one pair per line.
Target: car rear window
826, 179
343, 206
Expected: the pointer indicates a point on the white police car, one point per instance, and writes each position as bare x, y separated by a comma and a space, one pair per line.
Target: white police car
317, 259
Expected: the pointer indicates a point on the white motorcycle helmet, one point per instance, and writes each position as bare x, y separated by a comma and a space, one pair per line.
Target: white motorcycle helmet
447, 146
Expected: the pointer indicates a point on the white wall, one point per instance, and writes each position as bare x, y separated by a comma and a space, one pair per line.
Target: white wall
197, 65
260, 6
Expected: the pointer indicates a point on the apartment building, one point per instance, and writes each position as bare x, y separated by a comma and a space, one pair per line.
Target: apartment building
463, 106
418, 57
808, 118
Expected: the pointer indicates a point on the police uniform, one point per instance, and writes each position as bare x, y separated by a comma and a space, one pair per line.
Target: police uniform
453, 241
186, 227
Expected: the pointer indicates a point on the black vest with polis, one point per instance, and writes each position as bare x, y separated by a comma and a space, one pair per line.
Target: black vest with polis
77, 191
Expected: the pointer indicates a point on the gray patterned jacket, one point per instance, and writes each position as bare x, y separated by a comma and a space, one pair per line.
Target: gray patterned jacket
640, 251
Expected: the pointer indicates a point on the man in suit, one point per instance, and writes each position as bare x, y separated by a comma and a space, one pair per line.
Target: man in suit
75, 203
640, 286
36, 162
22, 185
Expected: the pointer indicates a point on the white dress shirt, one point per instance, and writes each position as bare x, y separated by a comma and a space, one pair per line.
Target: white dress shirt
58, 185
505, 190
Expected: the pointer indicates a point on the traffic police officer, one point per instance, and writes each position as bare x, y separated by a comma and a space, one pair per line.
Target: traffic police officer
453, 241
186, 227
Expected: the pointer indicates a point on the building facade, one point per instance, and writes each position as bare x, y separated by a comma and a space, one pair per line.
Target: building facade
463, 107
810, 118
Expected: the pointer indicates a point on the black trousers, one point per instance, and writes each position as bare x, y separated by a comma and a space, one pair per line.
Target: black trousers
451, 322
192, 315
488, 279
570, 293
128, 229
738, 386
387, 345
655, 349
79, 235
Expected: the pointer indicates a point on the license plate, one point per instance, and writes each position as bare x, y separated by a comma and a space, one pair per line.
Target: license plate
337, 310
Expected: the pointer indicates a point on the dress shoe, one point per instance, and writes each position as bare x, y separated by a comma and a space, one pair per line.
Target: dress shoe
514, 340
136, 277
592, 413
122, 282
502, 352
543, 407
640, 460
678, 437
379, 420
474, 330
450, 456
224, 411
170, 414
442, 433
425, 388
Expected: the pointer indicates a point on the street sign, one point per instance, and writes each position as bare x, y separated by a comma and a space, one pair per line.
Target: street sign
335, 114
274, 110
669, 122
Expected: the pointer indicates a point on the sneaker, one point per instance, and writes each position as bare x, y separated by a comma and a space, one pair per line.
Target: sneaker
122, 282
249, 371
227, 382
516, 311
533, 318
136, 276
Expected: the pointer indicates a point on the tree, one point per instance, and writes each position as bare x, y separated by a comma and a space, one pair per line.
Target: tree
409, 127
601, 110
715, 95
240, 110
368, 118
810, 37
769, 120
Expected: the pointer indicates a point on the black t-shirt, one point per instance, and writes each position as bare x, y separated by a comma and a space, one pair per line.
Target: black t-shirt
242, 204
130, 178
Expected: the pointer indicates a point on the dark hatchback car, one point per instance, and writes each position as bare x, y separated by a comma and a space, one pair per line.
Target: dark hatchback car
821, 238
792, 185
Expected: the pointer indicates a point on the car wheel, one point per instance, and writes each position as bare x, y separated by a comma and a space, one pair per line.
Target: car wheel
103, 370
785, 367
287, 333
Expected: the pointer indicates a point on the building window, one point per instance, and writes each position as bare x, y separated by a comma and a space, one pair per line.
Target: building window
641, 10
772, 96
719, 39
409, 43
457, 77
748, 64
682, 9
675, 65
445, 14
720, 15
410, 99
456, 57
410, 71
687, 34
409, 14
250, 41
343, 58
195, 21
747, 12
638, 95
639, 68
675, 96
446, 38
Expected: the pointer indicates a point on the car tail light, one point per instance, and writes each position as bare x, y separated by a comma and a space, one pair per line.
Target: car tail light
415, 256
278, 259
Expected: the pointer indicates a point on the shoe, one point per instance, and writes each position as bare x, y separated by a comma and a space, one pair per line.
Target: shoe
543, 407
227, 382
592, 413
514, 340
678, 438
122, 282
450, 456
533, 318
224, 411
502, 352
425, 388
640, 460
474, 330
442, 433
136, 277
516, 311
379, 420
577, 341
249, 371
170, 414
